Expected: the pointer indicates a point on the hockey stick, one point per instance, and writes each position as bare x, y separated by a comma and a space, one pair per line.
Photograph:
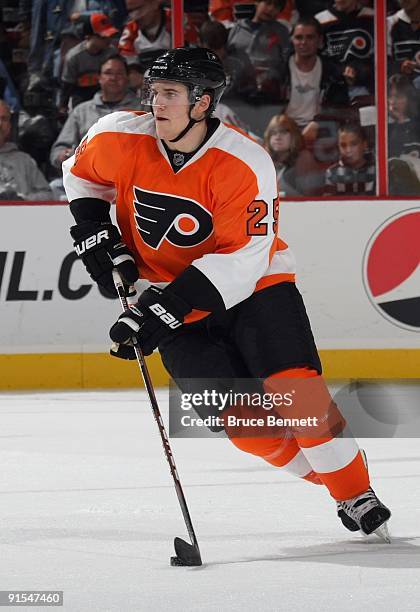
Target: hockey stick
186, 554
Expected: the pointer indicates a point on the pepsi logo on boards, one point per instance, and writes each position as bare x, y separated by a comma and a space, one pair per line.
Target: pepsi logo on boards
391, 269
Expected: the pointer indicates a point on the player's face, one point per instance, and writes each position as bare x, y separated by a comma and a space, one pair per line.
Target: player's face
306, 41
5, 124
171, 107
345, 5
352, 149
280, 140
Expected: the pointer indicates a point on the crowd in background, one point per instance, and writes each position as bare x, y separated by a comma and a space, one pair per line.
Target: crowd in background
301, 80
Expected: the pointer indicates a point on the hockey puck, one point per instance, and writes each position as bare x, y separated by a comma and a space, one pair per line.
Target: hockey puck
176, 561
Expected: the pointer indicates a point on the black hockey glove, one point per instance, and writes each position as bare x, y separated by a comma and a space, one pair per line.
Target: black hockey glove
156, 314
99, 246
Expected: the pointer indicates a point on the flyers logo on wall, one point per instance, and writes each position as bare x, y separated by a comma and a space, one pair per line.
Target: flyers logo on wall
391, 269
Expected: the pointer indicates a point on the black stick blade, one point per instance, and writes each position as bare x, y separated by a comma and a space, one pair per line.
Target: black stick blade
186, 554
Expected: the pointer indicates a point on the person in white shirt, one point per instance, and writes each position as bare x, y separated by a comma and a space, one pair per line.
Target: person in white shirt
311, 84
305, 73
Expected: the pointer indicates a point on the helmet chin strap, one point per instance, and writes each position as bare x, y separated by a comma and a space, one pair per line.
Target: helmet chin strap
192, 121
191, 124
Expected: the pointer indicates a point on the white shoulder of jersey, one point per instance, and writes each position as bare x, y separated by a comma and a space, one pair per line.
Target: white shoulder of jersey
118, 122
124, 122
248, 151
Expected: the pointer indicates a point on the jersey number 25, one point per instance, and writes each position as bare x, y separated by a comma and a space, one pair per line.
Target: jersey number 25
258, 211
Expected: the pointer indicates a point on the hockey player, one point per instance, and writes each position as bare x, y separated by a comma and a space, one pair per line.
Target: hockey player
197, 209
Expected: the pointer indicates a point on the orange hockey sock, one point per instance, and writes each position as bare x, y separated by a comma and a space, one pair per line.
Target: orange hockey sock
280, 452
327, 445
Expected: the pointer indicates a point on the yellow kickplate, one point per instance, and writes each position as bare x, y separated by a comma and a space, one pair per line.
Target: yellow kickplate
99, 370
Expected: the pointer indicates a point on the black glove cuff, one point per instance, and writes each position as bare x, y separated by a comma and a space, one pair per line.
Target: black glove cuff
90, 209
153, 298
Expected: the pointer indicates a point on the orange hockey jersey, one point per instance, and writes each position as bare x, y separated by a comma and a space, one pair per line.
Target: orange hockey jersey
217, 213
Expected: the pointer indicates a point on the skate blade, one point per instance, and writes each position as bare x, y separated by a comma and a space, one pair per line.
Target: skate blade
383, 534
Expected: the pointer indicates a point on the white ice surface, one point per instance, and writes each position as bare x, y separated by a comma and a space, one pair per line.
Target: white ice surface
88, 507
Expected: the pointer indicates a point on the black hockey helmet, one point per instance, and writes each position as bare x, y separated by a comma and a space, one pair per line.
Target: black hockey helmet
198, 68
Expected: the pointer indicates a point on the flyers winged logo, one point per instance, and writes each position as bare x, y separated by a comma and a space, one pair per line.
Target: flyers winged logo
349, 43
161, 216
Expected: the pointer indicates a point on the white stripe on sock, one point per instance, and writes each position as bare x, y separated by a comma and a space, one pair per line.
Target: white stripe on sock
332, 455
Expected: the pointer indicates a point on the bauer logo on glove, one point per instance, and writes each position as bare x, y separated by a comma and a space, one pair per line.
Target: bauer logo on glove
165, 316
156, 314
99, 246
89, 243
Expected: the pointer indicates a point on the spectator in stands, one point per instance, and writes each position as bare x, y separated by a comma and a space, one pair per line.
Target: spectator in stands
20, 177
149, 27
224, 10
240, 73
135, 72
137, 66
113, 95
48, 19
116, 10
311, 84
354, 174
196, 12
82, 63
297, 172
356, 75
348, 30
15, 34
7, 89
404, 126
404, 40
227, 11
266, 42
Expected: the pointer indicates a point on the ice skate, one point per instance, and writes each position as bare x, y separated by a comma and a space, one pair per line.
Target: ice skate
361, 501
367, 513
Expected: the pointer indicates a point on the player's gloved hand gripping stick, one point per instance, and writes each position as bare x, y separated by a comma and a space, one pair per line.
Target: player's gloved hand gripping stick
156, 314
98, 244
186, 554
